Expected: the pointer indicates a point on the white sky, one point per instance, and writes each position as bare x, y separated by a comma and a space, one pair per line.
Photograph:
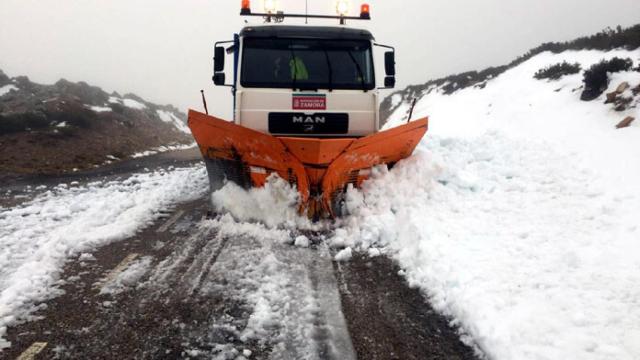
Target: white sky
162, 49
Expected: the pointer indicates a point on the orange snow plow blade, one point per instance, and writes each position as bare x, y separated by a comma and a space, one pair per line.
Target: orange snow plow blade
320, 168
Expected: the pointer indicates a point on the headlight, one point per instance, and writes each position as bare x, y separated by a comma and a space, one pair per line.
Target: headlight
270, 6
342, 7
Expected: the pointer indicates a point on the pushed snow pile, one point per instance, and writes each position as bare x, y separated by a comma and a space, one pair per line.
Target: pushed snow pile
518, 214
275, 204
37, 238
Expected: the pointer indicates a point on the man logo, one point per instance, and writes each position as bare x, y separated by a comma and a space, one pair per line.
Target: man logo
309, 120
309, 128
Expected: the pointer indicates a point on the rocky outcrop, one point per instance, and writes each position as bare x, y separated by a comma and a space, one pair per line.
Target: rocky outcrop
66, 126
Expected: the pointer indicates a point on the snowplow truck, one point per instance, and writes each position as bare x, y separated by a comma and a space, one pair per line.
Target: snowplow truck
306, 107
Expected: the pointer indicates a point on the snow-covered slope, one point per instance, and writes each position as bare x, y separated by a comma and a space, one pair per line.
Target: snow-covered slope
518, 214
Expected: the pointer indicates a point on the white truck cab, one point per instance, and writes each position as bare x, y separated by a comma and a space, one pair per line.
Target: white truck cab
305, 81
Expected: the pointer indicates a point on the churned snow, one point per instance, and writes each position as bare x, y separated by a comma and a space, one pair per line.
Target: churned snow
4, 90
517, 215
274, 205
128, 278
38, 237
171, 118
290, 292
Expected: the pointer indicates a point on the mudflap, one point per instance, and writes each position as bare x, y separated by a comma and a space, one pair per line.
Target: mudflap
321, 169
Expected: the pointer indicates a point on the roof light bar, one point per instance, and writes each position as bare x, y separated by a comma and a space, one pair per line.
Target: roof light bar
271, 13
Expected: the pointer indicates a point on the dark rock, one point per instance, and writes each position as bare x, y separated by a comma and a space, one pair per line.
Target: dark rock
622, 87
611, 97
621, 103
626, 122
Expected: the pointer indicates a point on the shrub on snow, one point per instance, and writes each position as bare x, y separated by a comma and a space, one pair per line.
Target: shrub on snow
596, 79
555, 72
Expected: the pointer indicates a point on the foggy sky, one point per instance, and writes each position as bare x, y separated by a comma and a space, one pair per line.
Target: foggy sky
162, 49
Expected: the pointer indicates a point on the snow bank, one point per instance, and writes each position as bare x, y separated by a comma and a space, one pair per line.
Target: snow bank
164, 148
171, 118
4, 90
518, 215
37, 238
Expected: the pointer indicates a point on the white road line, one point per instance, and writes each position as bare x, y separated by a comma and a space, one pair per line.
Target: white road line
117, 270
32, 351
172, 220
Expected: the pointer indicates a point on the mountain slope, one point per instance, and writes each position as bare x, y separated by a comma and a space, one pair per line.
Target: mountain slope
605, 40
72, 126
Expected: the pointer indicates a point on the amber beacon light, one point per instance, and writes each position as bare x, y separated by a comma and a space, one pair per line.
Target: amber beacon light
246, 7
365, 11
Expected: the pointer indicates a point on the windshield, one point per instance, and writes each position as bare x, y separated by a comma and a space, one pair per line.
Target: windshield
307, 64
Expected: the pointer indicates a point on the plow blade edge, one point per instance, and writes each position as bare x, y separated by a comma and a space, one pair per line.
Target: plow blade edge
320, 168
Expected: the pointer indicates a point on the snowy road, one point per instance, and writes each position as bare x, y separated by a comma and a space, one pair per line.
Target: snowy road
187, 286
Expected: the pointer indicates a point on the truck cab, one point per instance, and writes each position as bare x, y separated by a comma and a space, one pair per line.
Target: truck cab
305, 81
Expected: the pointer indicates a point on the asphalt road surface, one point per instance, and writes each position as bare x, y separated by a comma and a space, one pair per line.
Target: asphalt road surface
184, 288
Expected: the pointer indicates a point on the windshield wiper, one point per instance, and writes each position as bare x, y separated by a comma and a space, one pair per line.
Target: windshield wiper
360, 73
326, 54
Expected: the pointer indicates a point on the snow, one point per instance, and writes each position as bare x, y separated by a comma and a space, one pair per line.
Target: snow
164, 148
129, 278
99, 109
344, 254
273, 205
517, 215
130, 103
133, 104
171, 118
4, 90
38, 237
289, 292
62, 124
302, 241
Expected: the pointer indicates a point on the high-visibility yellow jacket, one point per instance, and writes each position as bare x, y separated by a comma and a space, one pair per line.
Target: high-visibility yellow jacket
298, 69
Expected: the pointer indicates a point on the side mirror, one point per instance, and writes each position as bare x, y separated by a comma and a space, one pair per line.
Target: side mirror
390, 63
390, 82
218, 59
219, 79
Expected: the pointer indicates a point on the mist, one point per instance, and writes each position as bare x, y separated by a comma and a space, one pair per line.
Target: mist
162, 50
